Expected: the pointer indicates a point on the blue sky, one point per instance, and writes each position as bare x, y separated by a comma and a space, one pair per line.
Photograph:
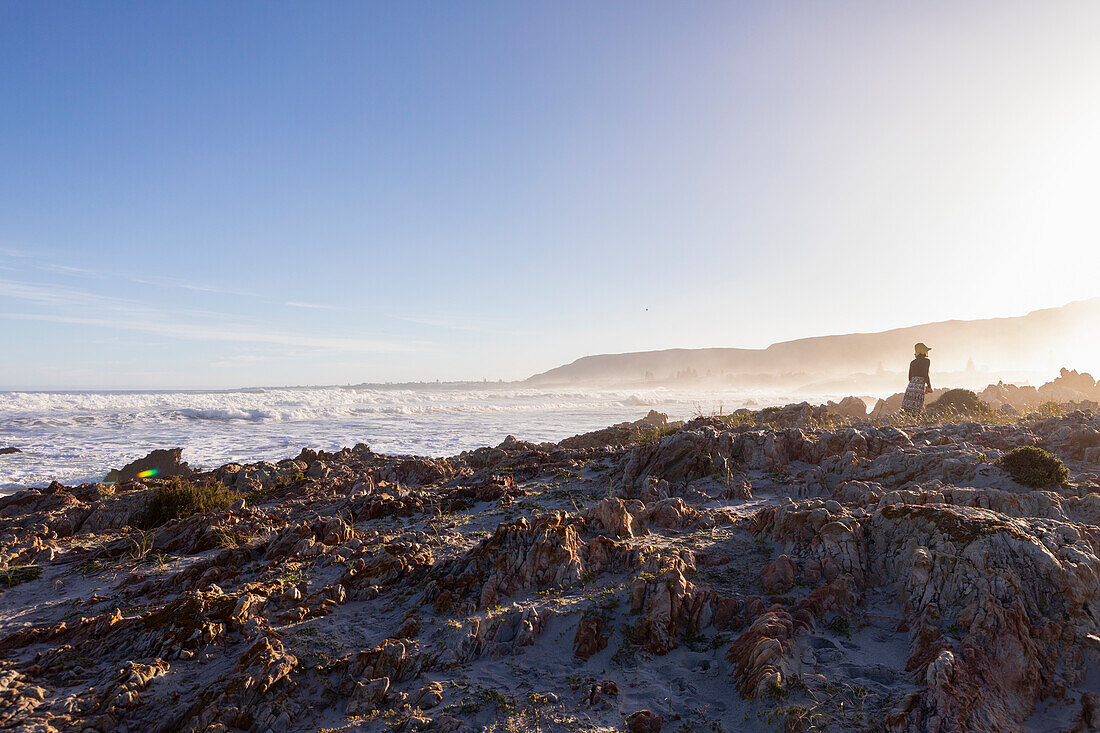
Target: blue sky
225, 194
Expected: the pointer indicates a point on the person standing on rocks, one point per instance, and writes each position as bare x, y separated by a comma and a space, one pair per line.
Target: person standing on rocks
919, 383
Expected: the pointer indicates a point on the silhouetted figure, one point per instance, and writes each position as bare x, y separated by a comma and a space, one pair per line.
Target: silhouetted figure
919, 383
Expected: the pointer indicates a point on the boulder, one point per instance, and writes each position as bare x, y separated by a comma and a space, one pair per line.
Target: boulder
599, 694
852, 408
591, 636
779, 576
619, 518
367, 696
158, 464
644, 721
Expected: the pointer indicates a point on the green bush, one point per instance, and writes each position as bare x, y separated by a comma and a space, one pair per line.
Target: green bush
839, 625
12, 577
1049, 409
179, 498
1034, 467
650, 433
959, 402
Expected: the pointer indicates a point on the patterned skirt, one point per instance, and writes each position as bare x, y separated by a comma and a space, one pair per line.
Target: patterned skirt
914, 396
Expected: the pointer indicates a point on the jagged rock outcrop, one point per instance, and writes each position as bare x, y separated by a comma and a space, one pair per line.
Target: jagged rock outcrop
850, 408
158, 463
1021, 594
591, 636
617, 517
625, 433
499, 634
546, 552
793, 551
761, 656
668, 604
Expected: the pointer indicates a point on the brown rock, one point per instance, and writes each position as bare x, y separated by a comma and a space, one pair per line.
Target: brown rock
668, 603
599, 693
761, 655
778, 576
429, 696
644, 721
163, 464
620, 518
741, 489
590, 637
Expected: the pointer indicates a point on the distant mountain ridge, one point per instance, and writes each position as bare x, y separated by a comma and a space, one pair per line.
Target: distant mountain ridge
1042, 339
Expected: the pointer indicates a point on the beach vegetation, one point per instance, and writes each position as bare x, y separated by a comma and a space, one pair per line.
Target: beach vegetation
283, 482
94, 566
959, 402
737, 418
606, 597
292, 576
1049, 409
140, 544
11, 577
626, 656
180, 498
227, 539
654, 433
778, 475
535, 711
839, 625
1034, 467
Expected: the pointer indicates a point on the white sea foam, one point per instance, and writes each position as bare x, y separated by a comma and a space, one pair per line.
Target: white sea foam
78, 436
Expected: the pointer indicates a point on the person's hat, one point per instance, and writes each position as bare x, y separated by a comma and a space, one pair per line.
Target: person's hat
922, 348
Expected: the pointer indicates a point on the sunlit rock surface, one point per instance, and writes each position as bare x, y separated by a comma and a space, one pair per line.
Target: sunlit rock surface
818, 572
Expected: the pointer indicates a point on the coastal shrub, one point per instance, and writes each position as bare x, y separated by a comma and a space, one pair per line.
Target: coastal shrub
651, 433
959, 402
740, 417
839, 625
768, 413
1049, 409
19, 574
179, 498
1034, 467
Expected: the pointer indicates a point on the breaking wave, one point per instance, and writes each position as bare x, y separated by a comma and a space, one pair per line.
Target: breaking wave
79, 436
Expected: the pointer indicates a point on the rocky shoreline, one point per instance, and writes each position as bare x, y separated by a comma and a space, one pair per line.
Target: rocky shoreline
793, 569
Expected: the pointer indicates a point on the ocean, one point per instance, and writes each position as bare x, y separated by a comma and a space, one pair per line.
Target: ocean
75, 437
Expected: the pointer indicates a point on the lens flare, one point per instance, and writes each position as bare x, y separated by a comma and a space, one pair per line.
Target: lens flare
149, 473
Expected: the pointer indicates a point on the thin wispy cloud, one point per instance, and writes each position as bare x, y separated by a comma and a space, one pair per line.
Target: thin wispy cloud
157, 282
315, 306
68, 270
227, 333
16, 253
93, 309
42, 263
60, 296
198, 287
439, 323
